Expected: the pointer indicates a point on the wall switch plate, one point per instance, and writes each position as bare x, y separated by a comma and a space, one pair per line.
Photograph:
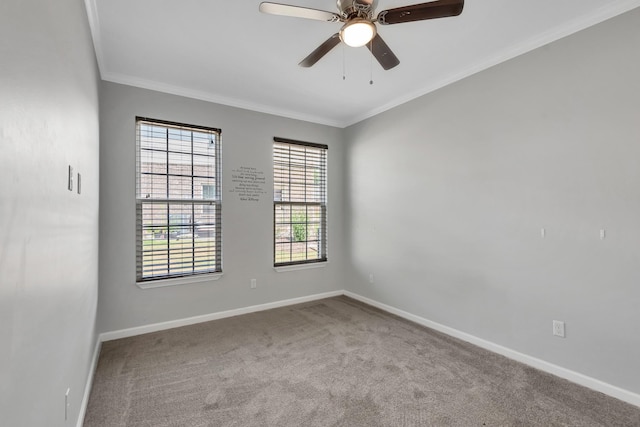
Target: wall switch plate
254, 283
66, 404
558, 328
70, 180
370, 278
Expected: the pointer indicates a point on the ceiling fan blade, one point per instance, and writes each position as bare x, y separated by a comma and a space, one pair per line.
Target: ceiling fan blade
320, 51
298, 12
420, 12
382, 53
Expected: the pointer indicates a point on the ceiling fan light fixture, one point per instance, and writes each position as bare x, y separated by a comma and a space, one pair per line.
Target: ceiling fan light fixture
357, 32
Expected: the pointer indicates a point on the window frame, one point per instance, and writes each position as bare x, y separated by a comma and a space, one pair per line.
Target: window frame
206, 260
322, 240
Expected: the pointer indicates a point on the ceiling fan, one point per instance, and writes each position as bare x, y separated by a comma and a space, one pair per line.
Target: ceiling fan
359, 27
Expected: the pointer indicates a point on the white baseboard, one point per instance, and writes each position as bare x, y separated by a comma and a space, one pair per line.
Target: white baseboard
556, 370
139, 330
89, 384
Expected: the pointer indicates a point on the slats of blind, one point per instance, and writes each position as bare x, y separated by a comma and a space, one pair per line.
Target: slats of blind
299, 173
171, 243
178, 209
176, 163
300, 195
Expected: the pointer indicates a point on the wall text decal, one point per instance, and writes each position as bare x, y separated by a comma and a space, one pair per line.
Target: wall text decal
248, 183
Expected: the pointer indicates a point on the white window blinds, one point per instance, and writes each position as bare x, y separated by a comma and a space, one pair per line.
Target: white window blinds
178, 203
300, 202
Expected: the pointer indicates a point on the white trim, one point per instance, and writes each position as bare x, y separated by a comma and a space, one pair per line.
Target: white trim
89, 384
139, 330
94, 26
217, 99
176, 281
285, 268
576, 377
556, 370
583, 22
605, 12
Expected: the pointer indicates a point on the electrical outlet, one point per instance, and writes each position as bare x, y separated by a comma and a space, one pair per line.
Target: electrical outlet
370, 278
558, 328
254, 283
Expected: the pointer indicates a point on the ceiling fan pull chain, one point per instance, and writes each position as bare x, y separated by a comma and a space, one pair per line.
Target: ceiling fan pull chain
344, 73
371, 61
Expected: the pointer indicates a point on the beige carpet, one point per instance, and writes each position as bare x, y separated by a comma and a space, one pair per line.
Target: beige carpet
333, 362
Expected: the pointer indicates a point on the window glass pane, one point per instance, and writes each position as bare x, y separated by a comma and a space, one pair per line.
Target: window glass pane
203, 165
180, 164
206, 217
208, 189
314, 214
283, 252
179, 141
152, 161
283, 223
154, 221
204, 143
152, 137
152, 186
180, 187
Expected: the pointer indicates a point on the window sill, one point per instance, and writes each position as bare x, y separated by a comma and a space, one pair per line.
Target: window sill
177, 281
286, 268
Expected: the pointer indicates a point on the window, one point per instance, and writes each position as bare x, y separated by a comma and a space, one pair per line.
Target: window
299, 202
178, 206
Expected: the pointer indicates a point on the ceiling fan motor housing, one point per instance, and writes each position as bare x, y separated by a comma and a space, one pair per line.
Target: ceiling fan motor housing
357, 8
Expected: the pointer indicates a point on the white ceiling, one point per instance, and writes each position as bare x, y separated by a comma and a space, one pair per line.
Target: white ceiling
226, 51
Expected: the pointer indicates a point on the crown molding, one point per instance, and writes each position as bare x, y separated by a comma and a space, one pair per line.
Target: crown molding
581, 23
602, 14
217, 99
94, 26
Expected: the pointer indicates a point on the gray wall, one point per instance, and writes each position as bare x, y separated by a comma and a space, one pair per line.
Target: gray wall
443, 202
49, 244
247, 139
448, 195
